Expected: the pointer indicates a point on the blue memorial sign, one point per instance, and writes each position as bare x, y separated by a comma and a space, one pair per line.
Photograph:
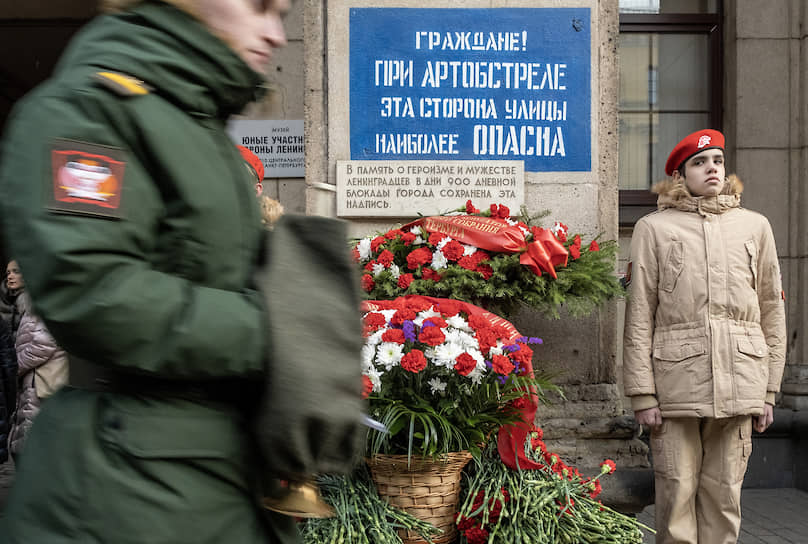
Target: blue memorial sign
472, 84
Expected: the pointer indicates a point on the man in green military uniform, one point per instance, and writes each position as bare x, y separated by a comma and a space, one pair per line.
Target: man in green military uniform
138, 229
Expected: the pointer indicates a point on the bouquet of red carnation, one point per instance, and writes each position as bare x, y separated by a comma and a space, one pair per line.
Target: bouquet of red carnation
545, 502
488, 259
444, 374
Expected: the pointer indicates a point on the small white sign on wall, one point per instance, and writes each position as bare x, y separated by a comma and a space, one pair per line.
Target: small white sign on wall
278, 142
412, 188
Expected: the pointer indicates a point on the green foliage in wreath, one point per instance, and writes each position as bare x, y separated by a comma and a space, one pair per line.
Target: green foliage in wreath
495, 281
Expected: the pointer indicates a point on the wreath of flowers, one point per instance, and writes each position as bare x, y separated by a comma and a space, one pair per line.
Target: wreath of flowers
414, 260
442, 374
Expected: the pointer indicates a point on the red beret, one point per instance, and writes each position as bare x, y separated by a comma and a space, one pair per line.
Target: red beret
253, 161
691, 145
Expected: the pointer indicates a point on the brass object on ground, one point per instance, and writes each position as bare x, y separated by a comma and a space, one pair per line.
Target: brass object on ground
302, 500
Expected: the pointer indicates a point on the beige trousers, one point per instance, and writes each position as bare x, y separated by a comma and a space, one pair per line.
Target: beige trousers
699, 465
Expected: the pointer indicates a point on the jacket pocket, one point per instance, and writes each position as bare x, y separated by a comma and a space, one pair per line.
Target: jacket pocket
200, 434
751, 251
672, 269
750, 366
681, 372
166, 470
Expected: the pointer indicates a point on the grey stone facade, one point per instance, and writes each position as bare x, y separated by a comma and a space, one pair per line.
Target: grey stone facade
765, 109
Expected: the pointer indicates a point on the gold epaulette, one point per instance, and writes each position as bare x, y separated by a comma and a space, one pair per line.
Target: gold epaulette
122, 84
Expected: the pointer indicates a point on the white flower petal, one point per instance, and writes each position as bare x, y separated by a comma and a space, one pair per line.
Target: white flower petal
389, 354
439, 260
364, 249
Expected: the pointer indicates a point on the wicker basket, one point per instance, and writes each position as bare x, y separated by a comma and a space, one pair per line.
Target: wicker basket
427, 489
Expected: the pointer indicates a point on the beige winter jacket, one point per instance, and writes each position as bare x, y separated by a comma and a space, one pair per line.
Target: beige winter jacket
705, 332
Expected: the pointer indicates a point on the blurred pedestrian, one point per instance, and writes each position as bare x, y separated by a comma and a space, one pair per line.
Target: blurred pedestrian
704, 340
42, 369
144, 254
8, 386
10, 288
271, 209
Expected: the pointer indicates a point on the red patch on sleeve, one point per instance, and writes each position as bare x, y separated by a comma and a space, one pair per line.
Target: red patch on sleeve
87, 178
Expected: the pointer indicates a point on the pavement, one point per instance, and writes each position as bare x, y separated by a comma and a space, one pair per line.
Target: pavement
769, 516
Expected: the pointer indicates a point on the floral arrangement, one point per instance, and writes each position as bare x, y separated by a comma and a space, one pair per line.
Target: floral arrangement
443, 375
549, 503
491, 260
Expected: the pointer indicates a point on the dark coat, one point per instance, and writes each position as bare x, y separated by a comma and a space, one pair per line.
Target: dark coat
8, 386
9, 312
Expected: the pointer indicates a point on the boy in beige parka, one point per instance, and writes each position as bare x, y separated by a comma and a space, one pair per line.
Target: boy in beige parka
704, 341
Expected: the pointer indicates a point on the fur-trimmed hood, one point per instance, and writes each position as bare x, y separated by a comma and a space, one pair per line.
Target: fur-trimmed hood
675, 194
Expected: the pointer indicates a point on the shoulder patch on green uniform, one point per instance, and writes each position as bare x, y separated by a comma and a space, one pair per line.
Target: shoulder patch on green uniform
123, 84
87, 179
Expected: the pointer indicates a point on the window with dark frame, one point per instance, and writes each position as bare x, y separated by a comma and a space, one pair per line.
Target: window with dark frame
671, 84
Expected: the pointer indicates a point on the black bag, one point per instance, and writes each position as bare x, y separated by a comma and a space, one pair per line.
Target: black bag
309, 417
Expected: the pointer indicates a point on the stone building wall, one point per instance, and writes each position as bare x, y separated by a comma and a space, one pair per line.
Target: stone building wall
591, 424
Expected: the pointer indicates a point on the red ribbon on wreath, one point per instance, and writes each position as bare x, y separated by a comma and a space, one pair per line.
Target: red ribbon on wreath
544, 253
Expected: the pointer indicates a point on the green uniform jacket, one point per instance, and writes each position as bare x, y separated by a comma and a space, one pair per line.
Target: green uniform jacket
148, 272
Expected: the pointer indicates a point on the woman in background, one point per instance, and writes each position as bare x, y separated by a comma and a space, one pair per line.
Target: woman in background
41, 367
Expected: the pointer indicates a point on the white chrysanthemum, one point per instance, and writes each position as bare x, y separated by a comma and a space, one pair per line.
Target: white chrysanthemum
424, 315
378, 268
395, 270
460, 337
496, 350
443, 241
374, 338
375, 378
439, 260
468, 250
511, 222
368, 352
525, 231
436, 386
446, 353
458, 323
363, 247
389, 354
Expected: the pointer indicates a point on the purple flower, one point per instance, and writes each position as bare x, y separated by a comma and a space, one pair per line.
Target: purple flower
531, 340
511, 349
409, 330
489, 364
502, 379
427, 323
